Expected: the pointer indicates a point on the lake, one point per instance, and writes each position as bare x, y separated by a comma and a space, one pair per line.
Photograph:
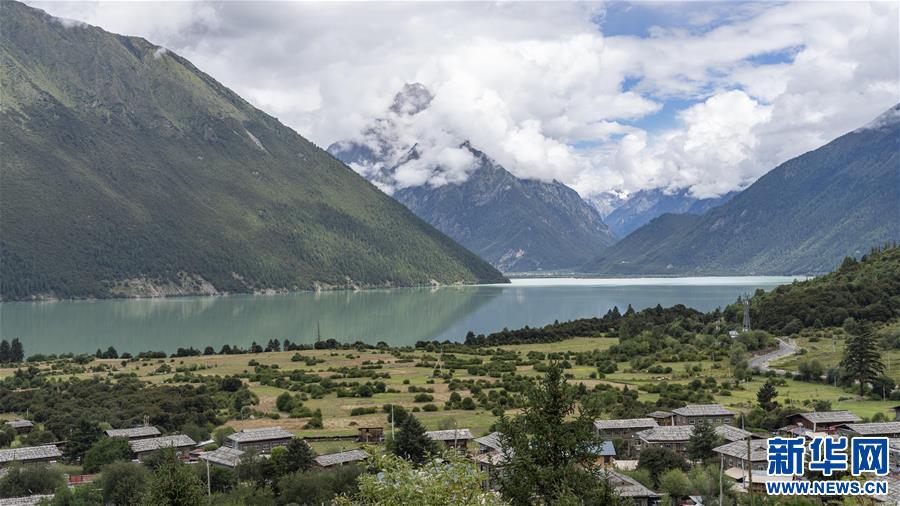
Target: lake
398, 316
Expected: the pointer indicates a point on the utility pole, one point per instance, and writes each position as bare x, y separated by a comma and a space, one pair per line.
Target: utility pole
749, 470
208, 483
392, 422
721, 479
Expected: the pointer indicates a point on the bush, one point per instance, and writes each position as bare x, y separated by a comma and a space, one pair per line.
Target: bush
432, 407
424, 397
106, 451
124, 483
363, 411
30, 479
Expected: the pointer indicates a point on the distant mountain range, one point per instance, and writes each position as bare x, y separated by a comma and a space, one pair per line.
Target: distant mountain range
802, 217
515, 224
642, 206
128, 171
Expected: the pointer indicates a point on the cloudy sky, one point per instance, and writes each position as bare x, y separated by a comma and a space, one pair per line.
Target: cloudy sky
604, 97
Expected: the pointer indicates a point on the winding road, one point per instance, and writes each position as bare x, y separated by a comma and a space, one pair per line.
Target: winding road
785, 348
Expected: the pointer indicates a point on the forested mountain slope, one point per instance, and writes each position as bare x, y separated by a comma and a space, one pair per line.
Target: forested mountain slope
128, 171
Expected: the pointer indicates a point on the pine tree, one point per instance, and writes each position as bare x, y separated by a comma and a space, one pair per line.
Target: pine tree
766, 395
4, 352
16, 351
703, 440
862, 359
298, 457
549, 450
411, 442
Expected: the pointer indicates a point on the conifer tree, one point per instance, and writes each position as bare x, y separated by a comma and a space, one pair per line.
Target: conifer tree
862, 359
411, 442
766, 395
703, 440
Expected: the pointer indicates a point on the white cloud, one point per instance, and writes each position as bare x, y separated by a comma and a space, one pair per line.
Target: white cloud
525, 81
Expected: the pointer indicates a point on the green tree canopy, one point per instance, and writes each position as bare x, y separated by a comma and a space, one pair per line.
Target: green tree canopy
411, 442
174, 484
124, 483
862, 359
549, 450
106, 451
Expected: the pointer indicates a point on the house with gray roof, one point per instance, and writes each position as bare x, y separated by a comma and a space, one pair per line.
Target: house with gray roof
886, 429
662, 417
134, 432
224, 456
30, 454
489, 443
341, 458
629, 488
820, 421
676, 437
734, 454
452, 438
624, 429
141, 448
261, 440
691, 414
28, 500
20, 425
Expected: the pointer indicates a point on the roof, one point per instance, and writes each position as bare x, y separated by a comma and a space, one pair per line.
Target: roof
667, 433
20, 423
732, 433
224, 455
796, 430
30, 453
490, 458
449, 435
264, 434
492, 441
30, 500
155, 443
146, 431
604, 449
332, 459
830, 417
758, 476
874, 429
660, 414
703, 410
627, 423
626, 486
738, 449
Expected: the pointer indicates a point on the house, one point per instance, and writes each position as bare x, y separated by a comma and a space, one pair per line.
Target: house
144, 447
20, 426
662, 417
489, 443
135, 432
624, 429
605, 453
759, 479
30, 454
223, 456
629, 488
452, 438
711, 413
734, 454
820, 421
795, 431
370, 435
732, 433
341, 458
676, 437
260, 440
28, 500
886, 429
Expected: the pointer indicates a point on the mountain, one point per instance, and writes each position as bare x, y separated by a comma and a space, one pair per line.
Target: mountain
517, 225
802, 217
644, 205
128, 171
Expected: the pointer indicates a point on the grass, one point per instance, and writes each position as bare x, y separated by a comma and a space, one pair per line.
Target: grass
336, 411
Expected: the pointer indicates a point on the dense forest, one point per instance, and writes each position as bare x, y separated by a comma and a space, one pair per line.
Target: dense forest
867, 289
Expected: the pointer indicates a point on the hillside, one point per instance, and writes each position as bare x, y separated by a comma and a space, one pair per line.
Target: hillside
128, 171
645, 205
803, 217
515, 224
867, 290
